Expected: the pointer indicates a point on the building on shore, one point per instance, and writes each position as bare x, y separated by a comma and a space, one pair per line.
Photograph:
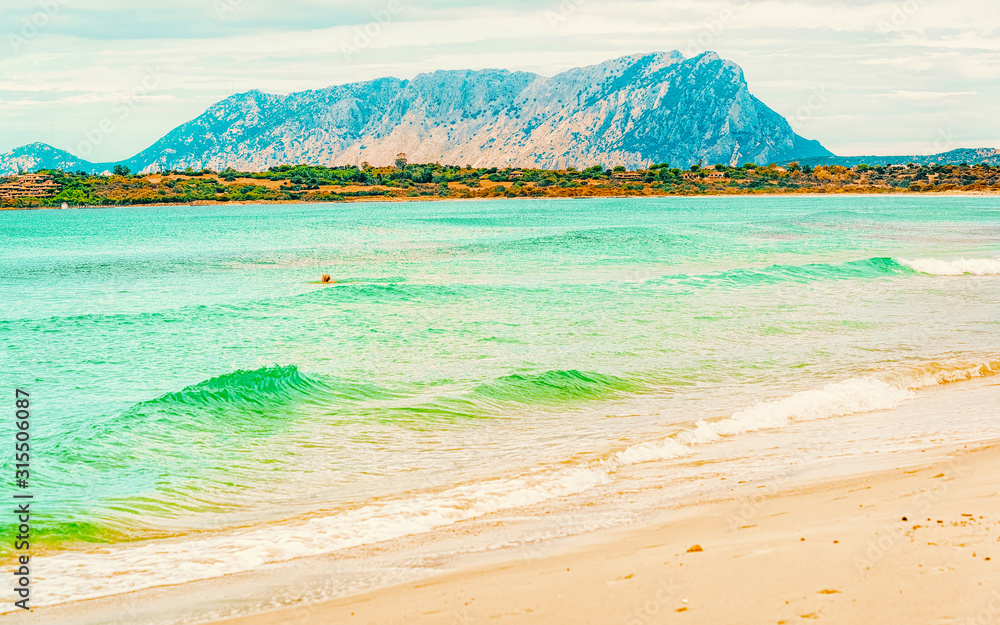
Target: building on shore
29, 185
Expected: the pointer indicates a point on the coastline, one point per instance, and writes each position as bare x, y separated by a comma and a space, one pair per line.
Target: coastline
834, 548
654, 492
429, 198
915, 543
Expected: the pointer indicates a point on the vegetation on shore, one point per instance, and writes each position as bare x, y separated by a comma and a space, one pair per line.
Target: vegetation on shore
312, 183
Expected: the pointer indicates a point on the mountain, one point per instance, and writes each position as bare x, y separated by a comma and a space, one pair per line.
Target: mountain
37, 156
634, 110
987, 156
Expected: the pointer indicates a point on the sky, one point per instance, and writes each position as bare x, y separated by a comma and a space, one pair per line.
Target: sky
104, 79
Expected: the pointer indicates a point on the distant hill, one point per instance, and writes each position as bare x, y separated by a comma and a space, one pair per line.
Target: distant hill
37, 156
631, 111
972, 156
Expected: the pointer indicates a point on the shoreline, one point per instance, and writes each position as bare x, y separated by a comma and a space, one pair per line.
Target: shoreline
429, 198
835, 548
916, 543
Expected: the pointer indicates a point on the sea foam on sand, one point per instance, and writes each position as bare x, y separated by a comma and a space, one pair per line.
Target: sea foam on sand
76, 576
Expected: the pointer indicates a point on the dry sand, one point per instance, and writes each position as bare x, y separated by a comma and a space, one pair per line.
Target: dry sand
915, 544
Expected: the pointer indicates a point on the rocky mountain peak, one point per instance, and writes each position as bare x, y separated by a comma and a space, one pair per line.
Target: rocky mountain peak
631, 111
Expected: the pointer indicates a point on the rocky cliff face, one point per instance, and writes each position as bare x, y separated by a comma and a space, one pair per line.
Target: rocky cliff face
630, 111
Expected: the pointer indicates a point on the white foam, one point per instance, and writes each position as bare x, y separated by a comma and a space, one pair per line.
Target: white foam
125, 568
934, 374
649, 452
844, 398
958, 267
77, 576
838, 399
833, 400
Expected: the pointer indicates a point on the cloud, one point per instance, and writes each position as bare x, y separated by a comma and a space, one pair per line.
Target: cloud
923, 95
891, 72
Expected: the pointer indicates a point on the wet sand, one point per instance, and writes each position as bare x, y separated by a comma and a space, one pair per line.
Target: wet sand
919, 543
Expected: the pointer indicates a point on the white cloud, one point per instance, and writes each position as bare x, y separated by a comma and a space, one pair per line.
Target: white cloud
892, 72
923, 95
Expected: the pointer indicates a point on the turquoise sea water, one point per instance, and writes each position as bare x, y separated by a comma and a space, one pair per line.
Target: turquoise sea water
187, 374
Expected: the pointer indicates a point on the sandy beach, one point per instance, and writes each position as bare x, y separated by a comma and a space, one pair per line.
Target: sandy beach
915, 544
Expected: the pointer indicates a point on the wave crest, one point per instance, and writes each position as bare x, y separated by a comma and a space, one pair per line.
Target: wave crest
957, 267
837, 399
555, 387
876, 267
249, 397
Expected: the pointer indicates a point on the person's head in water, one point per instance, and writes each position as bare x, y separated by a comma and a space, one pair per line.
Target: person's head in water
326, 278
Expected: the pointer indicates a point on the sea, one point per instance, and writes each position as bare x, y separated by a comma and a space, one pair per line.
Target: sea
202, 406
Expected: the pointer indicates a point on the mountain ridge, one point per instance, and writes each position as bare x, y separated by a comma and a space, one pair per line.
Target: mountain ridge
985, 156
632, 111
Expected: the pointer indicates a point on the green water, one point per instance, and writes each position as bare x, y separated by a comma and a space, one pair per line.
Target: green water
186, 374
